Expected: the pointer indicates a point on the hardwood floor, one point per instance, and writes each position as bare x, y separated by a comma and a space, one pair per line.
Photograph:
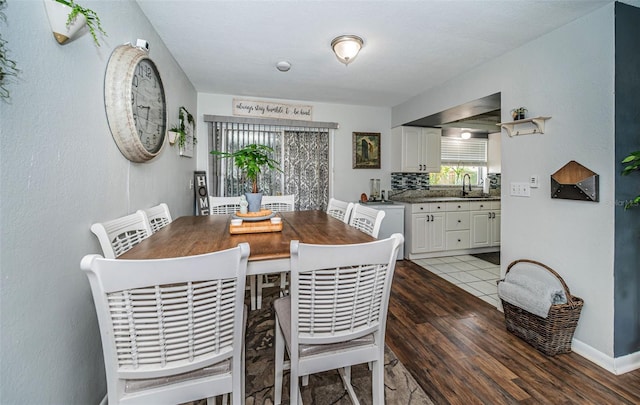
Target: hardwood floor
457, 348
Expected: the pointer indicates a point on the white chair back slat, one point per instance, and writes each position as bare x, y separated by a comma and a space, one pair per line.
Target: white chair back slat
121, 234
343, 301
158, 217
150, 313
367, 219
279, 203
224, 205
340, 210
161, 320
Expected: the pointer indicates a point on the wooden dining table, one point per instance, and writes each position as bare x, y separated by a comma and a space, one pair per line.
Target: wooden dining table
270, 252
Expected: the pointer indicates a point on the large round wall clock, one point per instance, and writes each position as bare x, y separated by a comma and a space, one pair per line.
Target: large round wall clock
135, 103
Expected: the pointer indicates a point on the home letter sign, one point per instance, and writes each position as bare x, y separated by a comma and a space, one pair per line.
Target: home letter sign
201, 193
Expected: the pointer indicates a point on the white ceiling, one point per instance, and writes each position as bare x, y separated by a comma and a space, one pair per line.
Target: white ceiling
232, 47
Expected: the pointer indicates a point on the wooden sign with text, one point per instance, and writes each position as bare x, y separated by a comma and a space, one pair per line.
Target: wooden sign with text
201, 193
267, 109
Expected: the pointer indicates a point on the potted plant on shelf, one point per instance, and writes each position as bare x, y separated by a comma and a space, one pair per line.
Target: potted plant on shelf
518, 113
632, 164
251, 160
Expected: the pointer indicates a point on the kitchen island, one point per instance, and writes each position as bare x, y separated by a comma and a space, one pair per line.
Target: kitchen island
448, 226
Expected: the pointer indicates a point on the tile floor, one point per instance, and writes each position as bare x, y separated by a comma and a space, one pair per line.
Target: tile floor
473, 275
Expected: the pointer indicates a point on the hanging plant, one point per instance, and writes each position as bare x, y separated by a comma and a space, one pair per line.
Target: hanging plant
632, 164
8, 68
93, 21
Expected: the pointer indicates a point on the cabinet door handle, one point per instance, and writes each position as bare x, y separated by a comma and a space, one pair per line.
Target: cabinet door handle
431, 217
459, 221
428, 220
459, 206
459, 240
421, 208
481, 206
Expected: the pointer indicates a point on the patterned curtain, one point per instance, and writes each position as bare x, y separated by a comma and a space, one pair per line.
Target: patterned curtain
306, 168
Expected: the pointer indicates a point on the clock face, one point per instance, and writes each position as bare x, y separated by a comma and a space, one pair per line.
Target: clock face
148, 105
135, 104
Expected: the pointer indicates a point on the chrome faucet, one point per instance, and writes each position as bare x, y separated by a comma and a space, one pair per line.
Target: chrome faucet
466, 175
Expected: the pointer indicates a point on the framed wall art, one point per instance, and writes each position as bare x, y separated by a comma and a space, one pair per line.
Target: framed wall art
366, 150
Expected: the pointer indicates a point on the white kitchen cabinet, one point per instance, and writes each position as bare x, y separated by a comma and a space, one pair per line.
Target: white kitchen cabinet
424, 228
495, 229
435, 229
416, 149
428, 232
485, 224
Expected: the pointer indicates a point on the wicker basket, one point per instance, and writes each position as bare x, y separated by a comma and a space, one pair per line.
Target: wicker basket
551, 335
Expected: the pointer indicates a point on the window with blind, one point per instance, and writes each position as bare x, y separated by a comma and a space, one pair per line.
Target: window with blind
302, 150
460, 157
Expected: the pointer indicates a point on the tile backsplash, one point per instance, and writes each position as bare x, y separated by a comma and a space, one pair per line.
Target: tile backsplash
409, 181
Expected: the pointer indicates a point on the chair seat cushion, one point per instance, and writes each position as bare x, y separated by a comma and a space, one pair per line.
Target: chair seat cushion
282, 306
147, 383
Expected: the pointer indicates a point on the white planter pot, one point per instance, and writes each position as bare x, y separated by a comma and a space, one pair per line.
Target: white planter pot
172, 137
58, 14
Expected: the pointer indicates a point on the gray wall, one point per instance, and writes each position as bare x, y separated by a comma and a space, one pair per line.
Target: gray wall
627, 228
60, 172
568, 75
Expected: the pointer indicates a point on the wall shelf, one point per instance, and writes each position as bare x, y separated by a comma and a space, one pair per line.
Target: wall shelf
536, 128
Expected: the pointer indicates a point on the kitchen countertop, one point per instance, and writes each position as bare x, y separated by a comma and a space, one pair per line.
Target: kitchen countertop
419, 200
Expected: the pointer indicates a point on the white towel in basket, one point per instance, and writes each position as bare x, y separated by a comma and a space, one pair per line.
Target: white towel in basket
532, 288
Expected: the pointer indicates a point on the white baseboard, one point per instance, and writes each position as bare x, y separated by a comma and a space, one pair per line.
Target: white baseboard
615, 365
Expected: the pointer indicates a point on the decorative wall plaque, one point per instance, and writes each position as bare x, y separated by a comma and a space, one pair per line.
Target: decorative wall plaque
575, 182
267, 109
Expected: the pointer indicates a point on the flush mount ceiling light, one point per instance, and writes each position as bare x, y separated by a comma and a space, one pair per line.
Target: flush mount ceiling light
346, 47
283, 66
465, 135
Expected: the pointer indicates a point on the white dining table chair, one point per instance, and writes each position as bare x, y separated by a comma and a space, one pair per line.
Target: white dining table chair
172, 329
335, 315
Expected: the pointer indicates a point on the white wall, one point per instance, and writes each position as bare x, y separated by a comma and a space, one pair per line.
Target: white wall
348, 183
568, 75
61, 171
494, 153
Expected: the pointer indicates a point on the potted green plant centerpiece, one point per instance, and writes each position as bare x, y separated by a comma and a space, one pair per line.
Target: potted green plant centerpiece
251, 160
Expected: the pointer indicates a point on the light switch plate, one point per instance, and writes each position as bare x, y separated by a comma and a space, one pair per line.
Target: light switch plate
518, 189
533, 181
